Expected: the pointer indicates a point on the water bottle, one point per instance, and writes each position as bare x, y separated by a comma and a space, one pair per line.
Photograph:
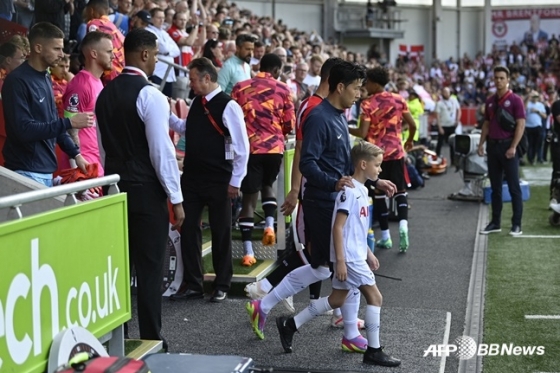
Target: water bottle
371, 240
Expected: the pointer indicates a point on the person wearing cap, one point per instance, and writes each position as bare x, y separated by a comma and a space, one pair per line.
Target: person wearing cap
97, 16
142, 19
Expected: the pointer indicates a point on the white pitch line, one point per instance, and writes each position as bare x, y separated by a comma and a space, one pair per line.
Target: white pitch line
445, 342
537, 236
542, 317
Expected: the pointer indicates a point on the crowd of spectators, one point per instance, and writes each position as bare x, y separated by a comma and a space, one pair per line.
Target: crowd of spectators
533, 68
209, 28
193, 24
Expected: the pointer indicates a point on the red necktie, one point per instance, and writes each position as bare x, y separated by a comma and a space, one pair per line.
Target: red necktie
204, 101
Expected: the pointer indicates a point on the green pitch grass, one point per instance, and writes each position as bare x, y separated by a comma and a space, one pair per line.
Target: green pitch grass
523, 278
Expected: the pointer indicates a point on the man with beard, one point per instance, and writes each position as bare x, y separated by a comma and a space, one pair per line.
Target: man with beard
32, 123
81, 93
97, 14
236, 68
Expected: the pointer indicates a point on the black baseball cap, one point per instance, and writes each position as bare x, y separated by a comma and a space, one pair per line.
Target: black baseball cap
144, 16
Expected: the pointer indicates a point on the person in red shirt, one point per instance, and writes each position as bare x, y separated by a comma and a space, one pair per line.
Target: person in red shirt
381, 124
269, 116
186, 40
96, 13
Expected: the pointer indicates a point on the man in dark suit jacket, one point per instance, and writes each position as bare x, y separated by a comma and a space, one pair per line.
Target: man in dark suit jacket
535, 34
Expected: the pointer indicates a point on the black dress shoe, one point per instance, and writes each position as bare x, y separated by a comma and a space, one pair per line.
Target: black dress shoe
187, 295
218, 296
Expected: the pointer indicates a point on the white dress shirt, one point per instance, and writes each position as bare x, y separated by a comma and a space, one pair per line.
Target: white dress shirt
234, 121
312, 81
168, 50
153, 109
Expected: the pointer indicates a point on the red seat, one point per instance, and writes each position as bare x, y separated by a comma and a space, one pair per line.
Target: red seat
181, 109
9, 29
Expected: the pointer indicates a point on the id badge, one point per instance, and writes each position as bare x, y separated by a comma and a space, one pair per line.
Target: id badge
229, 148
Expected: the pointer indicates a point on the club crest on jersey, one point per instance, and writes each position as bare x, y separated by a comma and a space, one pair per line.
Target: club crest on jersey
343, 197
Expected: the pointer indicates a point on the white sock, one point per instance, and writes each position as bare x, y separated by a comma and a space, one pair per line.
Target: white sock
316, 307
385, 235
269, 222
248, 248
372, 325
350, 314
403, 224
294, 282
265, 285
336, 312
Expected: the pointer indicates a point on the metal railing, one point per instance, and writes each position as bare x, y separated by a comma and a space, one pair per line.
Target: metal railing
357, 18
170, 65
14, 202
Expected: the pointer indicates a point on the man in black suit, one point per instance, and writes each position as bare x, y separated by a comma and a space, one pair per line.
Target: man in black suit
216, 155
133, 124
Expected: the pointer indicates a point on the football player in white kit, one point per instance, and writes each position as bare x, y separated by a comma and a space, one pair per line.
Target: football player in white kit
352, 260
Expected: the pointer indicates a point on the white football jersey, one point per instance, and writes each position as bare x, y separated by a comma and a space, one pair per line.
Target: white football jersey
355, 203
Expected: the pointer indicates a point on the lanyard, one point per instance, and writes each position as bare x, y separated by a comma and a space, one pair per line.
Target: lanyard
210, 117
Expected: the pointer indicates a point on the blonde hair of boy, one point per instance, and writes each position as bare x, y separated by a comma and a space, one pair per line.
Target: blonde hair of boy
364, 150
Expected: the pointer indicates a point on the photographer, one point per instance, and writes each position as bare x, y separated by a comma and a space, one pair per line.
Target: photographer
503, 128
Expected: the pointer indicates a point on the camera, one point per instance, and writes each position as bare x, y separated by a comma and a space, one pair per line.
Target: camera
473, 167
466, 147
287, 69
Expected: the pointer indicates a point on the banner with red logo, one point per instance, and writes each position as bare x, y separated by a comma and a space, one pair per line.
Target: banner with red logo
529, 26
